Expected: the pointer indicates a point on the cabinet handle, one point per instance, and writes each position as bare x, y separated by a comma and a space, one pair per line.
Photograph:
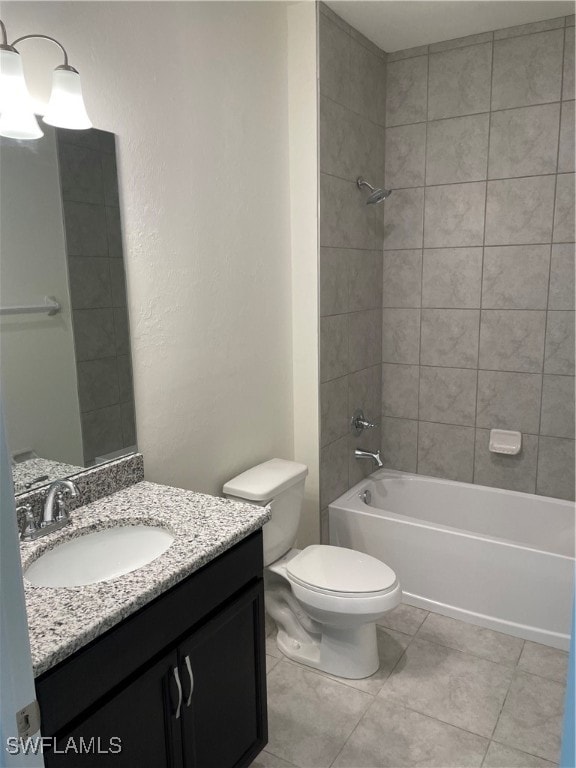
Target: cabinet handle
179, 686
191, 676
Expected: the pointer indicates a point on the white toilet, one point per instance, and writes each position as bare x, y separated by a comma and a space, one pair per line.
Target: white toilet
325, 600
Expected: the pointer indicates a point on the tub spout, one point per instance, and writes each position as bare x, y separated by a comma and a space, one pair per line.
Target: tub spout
374, 455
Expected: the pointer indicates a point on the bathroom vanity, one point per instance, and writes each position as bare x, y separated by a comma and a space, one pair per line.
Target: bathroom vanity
163, 666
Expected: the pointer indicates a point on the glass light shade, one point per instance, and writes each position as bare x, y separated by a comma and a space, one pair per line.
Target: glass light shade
17, 119
66, 106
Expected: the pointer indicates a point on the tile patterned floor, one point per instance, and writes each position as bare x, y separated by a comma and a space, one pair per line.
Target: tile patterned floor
447, 695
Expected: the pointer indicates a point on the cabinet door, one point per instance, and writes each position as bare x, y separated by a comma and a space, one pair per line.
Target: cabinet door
142, 716
224, 723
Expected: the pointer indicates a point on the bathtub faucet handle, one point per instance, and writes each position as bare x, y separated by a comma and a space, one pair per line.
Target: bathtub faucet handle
359, 423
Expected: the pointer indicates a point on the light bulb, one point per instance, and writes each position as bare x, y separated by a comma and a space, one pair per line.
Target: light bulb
66, 106
17, 119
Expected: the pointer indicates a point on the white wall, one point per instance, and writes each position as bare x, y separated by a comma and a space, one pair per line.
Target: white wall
38, 383
303, 123
197, 94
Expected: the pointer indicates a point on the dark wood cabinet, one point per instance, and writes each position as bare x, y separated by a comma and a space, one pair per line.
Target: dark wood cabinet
197, 701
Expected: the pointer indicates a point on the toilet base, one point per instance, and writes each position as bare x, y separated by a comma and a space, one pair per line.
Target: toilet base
348, 653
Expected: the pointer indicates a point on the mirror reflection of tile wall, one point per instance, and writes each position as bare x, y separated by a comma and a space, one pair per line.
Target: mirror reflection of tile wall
97, 290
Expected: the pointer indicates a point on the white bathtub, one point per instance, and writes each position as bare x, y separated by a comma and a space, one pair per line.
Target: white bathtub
500, 559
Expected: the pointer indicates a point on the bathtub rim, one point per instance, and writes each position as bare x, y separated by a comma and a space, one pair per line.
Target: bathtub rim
352, 496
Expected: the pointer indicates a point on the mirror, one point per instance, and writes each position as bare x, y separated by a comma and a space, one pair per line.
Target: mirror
65, 368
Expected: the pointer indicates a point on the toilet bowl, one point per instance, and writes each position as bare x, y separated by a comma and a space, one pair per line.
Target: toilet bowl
325, 600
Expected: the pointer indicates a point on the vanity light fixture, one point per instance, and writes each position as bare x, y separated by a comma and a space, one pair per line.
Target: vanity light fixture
66, 106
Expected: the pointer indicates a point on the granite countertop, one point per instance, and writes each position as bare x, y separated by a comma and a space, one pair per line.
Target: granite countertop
62, 620
26, 471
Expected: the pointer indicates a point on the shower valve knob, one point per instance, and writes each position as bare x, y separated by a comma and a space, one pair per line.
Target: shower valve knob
359, 423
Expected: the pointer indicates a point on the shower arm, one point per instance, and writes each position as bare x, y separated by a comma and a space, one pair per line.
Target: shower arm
363, 183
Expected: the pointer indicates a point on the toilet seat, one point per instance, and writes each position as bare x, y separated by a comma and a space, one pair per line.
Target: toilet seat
339, 571
319, 562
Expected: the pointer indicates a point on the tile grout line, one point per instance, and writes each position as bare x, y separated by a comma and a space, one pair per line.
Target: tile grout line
480, 112
550, 262
422, 258
482, 263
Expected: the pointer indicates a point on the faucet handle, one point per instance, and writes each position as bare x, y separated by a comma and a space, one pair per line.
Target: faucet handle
359, 423
31, 527
61, 513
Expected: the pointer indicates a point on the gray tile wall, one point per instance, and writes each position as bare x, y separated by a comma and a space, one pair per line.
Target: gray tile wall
97, 289
476, 278
478, 297
352, 137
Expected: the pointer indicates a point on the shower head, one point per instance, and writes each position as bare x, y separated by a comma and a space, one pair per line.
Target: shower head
376, 195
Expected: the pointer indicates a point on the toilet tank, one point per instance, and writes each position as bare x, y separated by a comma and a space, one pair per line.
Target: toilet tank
279, 483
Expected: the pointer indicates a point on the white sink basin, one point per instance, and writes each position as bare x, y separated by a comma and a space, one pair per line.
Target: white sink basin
98, 556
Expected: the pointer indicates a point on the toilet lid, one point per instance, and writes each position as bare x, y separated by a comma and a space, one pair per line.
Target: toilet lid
336, 569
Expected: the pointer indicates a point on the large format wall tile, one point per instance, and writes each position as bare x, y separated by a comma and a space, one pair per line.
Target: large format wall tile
333, 347
90, 286
564, 209
568, 79
555, 467
454, 215
365, 288
85, 229
102, 432
509, 401
516, 81
524, 142
452, 277
461, 42
365, 392
334, 410
477, 276
446, 451
516, 277
334, 275
406, 86
98, 383
557, 406
333, 471
367, 83
457, 149
402, 278
81, 174
448, 395
516, 473
364, 339
459, 82
519, 211
450, 337
401, 335
403, 219
405, 155
334, 61
345, 219
528, 29
400, 444
512, 340
559, 356
350, 145
561, 291
566, 162
94, 335
400, 390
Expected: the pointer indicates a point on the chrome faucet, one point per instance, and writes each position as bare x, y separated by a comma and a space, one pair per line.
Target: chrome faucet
54, 514
374, 455
55, 499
